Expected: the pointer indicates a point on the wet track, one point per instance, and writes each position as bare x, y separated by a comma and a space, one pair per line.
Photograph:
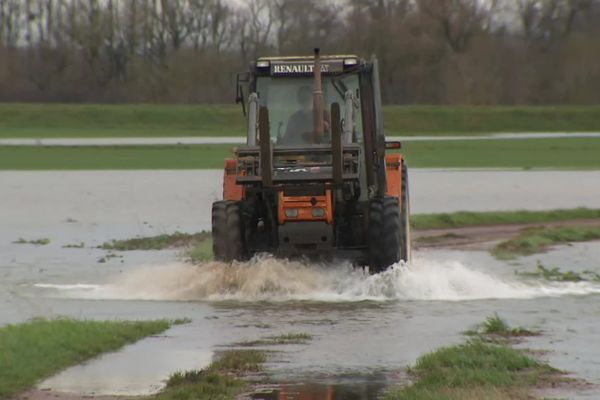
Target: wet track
366, 328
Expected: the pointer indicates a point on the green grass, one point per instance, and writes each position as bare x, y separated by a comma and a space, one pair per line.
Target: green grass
201, 252
283, 339
556, 275
496, 326
36, 242
160, 242
127, 120
91, 120
436, 239
239, 361
566, 153
467, 218
469, 120
198, 245
38, 349
79, 245
535, 240
219, 381
474, 370
485, 367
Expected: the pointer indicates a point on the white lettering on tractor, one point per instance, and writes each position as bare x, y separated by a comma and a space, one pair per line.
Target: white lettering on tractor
297, 68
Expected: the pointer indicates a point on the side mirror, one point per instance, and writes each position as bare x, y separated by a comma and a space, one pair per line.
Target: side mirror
241, 78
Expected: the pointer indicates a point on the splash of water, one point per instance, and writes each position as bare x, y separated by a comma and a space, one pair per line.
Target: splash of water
268, 279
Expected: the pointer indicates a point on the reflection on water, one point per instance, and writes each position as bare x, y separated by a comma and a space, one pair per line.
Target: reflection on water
318, 391
349, 385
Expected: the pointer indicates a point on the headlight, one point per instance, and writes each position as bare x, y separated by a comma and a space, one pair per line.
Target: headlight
263, 64
291, 213
318, 212
350, 62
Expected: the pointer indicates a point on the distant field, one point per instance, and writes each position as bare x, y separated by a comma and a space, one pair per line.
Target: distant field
82, 120
566, 153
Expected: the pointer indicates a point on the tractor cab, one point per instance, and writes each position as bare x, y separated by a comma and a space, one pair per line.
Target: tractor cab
286, 88
313, 165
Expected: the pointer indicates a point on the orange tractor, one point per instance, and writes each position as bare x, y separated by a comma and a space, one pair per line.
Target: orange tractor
314, 179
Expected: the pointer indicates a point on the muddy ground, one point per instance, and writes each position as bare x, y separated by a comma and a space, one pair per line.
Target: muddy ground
482, 238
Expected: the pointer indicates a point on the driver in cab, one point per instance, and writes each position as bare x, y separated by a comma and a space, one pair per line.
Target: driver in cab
300, 126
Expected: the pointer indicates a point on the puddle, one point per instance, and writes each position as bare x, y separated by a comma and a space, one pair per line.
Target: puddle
349, 387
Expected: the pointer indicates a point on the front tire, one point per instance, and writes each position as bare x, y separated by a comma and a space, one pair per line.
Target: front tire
384, 233
227, 232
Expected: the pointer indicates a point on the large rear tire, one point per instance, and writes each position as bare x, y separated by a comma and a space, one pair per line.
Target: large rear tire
384, 233
405, 246
227, 232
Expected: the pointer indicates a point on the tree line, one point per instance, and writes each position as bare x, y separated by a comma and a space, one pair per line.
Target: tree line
430, 51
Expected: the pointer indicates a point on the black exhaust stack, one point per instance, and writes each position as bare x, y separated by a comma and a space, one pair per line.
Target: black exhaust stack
318, 108
266, 148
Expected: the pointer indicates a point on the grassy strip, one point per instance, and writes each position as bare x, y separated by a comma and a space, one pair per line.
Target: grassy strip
474, 370
567, 153
283, 339
127, 120
466, 218
436, 239
473, 120
202, 252
93, 120
536, 240
564, 153
160, 242
482, 368
199, 245
556, 275
497, 327
36, 242
79, 245
38, 349
219, 381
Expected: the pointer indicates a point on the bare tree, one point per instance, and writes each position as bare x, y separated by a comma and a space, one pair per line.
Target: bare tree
458, 20
11, 12
551, 19
258, 24
430, 51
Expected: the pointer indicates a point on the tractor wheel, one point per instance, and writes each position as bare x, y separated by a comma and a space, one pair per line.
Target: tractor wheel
228, 244
405, 247
384, 233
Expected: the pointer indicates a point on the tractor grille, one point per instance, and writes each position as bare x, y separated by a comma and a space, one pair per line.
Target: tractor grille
304, 190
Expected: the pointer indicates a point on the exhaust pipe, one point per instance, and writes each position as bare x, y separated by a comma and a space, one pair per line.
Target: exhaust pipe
318, 107
252, 119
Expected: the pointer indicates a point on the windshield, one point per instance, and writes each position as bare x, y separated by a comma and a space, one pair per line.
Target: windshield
290, 105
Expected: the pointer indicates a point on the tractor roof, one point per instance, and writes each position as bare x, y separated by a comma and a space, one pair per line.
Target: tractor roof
303, 65
307, 58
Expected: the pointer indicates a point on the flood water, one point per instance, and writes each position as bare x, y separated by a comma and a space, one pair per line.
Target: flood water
366, 329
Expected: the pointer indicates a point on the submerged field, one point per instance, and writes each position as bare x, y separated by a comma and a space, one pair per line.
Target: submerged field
316, 322
564, 153
89, 120
65, 251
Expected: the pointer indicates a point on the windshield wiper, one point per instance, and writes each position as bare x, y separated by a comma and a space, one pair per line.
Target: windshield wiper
341, 89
